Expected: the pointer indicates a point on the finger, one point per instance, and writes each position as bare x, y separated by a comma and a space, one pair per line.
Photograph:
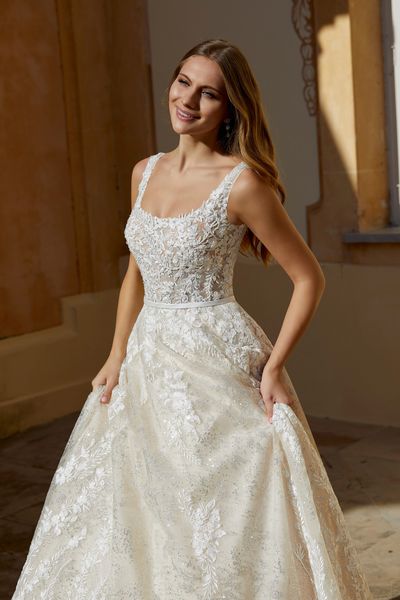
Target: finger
269, 407
106, 396
97, 383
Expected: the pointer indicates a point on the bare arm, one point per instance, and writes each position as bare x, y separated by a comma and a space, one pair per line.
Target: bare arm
253, 202
130, 302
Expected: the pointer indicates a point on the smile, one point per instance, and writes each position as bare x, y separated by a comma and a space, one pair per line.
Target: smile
184, 116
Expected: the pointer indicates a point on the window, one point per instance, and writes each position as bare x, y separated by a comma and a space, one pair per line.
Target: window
390, 13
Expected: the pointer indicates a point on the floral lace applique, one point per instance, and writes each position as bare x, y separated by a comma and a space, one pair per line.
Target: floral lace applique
315, 486
179, 416
190, 257
207, 530
133, 512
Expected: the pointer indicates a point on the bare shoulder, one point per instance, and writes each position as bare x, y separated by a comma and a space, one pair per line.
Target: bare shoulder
139, 167
251, 195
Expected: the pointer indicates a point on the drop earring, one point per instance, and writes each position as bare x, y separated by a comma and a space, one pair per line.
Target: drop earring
227, 127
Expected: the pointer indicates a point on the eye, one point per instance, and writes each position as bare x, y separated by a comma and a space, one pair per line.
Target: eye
209, 94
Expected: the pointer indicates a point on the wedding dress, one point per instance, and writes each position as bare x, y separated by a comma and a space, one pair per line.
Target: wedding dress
180, 488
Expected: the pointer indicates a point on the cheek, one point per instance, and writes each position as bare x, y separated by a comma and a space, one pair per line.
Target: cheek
213, 111
173, 92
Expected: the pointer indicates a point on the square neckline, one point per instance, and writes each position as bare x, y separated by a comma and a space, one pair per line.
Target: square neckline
143, 185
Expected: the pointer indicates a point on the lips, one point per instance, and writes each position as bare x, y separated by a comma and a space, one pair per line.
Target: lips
184, 115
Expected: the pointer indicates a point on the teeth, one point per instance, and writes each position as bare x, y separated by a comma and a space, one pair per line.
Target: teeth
185, 114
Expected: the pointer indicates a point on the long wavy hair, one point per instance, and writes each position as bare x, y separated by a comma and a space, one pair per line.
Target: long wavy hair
250, 138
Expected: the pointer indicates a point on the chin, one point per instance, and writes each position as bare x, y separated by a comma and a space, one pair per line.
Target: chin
180, 127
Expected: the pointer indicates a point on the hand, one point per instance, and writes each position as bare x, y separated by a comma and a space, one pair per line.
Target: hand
108, 376
273, 389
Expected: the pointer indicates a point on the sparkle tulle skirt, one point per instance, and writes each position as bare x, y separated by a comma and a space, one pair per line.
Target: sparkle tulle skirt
181, 489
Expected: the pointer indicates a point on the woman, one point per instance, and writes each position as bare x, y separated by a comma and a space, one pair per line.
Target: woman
191, 471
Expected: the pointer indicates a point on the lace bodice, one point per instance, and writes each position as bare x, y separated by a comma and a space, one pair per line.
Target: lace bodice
190, 257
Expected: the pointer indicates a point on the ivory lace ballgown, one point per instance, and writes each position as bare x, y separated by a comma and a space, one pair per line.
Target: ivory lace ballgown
180, 488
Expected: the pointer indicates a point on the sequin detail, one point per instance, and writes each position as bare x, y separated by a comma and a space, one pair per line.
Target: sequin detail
187, 258
207, 530
181, 488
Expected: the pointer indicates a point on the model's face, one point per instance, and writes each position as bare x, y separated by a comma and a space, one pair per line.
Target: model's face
197, 98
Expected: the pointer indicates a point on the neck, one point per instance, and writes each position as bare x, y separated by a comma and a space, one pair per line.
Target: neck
192, 151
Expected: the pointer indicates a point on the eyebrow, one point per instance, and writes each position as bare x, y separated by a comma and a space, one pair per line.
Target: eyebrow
206, 86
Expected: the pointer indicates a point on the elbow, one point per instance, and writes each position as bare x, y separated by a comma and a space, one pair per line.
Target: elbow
314, 281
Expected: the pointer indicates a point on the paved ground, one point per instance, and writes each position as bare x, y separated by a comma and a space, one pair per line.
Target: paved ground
362, 461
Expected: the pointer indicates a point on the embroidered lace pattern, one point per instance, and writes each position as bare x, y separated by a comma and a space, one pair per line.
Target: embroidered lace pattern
189, 257
180, 488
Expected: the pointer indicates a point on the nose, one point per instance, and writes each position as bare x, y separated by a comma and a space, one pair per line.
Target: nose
190, 99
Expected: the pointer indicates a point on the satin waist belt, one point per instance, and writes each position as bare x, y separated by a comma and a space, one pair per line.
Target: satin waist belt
189, 304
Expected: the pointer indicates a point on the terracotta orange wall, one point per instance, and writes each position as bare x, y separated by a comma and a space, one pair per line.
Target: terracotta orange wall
37, 242
76, 114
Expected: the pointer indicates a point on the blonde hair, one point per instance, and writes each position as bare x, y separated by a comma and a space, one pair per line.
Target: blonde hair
250, 138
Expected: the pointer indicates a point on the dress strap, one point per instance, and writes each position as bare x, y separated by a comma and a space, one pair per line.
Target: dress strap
236, 172
232, 176
146, 176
